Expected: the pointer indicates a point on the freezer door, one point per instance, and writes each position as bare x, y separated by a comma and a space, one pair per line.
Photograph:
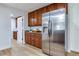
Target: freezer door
57, 39
45, 36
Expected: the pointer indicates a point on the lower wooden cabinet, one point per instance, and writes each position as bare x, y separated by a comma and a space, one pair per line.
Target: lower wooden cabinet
38, 40
27, 38
34, 39
15, 35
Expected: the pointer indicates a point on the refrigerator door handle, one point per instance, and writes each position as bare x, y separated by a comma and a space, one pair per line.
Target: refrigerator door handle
43, 29
49, 30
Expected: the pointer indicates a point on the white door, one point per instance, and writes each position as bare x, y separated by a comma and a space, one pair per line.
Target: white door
19, 28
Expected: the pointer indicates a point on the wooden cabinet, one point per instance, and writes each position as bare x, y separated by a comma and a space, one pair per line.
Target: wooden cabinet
62, 5
38, 40
39, 17
43, 10
30, 19
56, 6
49, 8
34, 39
52, 7
27, 38
35, 17
15, 35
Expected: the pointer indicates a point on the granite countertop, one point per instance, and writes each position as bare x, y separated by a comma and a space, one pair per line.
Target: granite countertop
39, 32
15, 31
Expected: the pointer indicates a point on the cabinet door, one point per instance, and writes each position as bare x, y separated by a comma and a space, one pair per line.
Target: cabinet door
32, 38
35, 19
62, 5
52, 7
48, 8
38, 40
30, 19
39, 19
27, 38
43, 10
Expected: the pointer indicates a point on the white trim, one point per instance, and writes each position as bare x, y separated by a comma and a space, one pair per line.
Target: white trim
68, 51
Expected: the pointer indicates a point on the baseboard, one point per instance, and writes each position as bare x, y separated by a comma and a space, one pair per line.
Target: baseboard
8, 49
77, 52
72, 53
5, 48
68, 51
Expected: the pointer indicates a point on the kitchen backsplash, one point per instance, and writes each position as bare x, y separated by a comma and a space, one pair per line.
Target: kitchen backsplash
35, 28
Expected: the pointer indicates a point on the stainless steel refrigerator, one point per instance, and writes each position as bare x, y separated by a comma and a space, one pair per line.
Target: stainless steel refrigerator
53, 34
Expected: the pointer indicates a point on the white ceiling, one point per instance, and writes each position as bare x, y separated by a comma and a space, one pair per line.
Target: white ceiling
26, 6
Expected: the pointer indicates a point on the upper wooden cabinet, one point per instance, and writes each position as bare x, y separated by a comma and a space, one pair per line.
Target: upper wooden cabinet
60, 5
30, 19
50, 7
43, 10
35, 17
39, 17
56, 6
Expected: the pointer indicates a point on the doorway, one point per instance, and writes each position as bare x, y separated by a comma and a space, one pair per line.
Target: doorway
20, 27
17, 26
